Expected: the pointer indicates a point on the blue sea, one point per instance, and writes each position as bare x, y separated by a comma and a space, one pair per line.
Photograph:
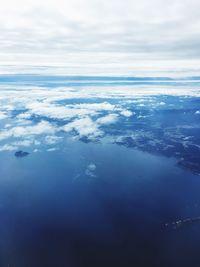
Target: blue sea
99, 171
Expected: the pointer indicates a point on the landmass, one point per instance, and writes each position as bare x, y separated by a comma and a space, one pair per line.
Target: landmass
21, 154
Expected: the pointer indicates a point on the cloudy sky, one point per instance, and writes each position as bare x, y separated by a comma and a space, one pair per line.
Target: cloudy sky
154, 29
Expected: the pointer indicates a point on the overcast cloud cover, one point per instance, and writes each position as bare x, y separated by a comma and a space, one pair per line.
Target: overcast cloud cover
37, 30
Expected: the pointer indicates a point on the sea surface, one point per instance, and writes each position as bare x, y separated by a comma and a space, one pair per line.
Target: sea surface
99, 171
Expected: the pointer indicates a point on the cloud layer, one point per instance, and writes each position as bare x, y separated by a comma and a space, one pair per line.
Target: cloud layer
155, 29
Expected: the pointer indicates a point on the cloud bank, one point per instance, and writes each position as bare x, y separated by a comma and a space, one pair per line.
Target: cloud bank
145, 29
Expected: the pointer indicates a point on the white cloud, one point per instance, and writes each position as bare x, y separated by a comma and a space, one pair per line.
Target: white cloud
104, 106
156, 28
51, 110
92, 167
7, 147
126, 113
51, 140
24, 116
109, 119
90, 170
8, 125
25, 143
23, 122
84, 127
3, 115
52, 149
162, 104
141, 117
18, 132
40, 128
197, 112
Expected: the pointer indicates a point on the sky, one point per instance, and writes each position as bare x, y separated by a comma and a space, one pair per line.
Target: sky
116, 30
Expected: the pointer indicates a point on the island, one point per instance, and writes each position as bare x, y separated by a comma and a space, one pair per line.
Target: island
21, 154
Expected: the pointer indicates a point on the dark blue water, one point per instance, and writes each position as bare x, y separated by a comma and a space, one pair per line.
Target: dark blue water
53, 214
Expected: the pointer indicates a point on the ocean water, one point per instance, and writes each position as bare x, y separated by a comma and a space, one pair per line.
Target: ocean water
110, 176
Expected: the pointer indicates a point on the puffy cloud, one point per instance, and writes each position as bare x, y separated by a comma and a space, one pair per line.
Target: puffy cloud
51, 110
90, 170
54, 111
126, 113
51, 139
41, 128
85, 127
109, 119
162, 104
